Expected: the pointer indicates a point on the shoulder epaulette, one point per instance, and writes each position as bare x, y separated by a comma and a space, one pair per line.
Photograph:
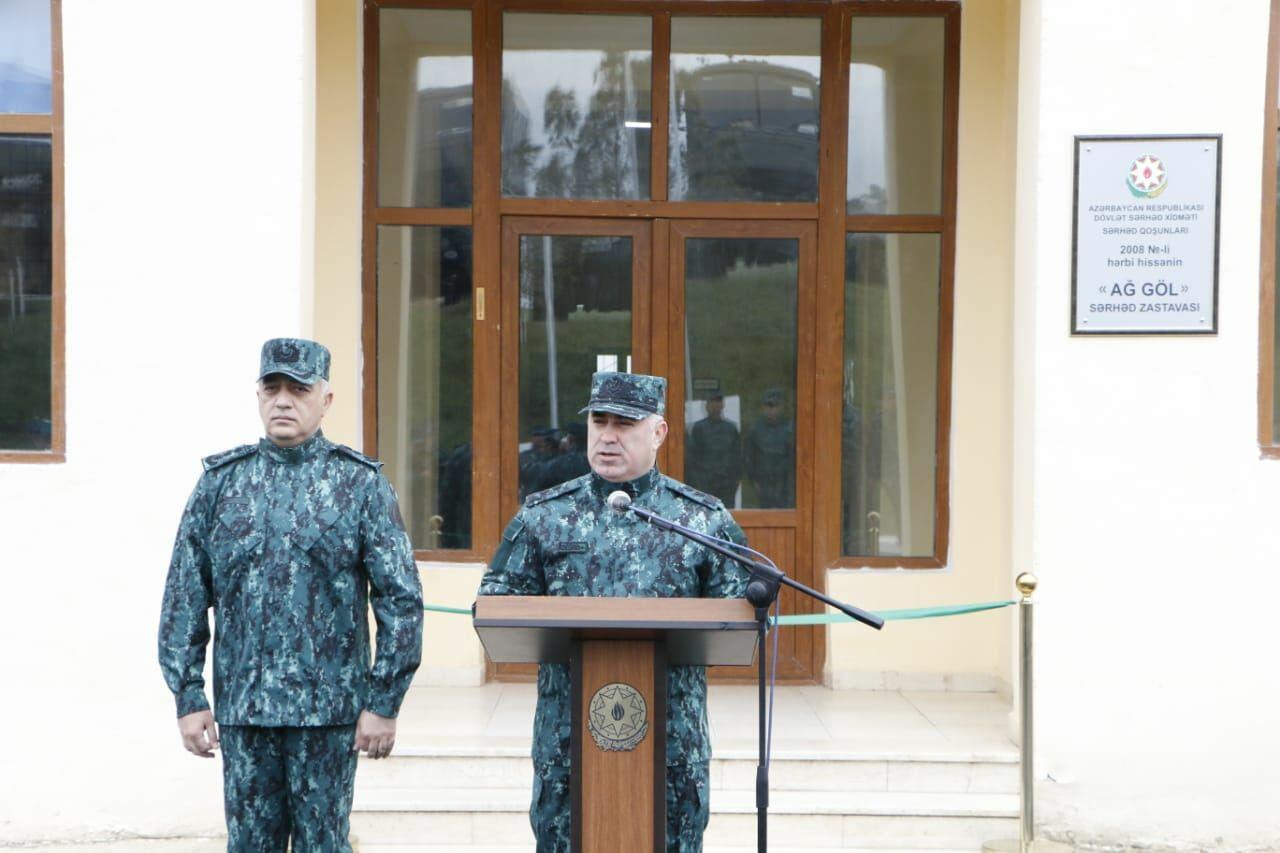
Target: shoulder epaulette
555, 491
691, 493
217, 460
359, 457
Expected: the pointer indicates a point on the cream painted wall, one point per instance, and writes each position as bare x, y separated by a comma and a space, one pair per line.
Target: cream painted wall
969, 652
335, 310
1154, 527
187, 246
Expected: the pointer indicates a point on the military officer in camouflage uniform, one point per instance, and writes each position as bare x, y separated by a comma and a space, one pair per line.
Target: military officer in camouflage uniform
289, 541
566, 541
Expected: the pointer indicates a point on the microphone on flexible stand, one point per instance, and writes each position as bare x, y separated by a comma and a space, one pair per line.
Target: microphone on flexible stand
618, 500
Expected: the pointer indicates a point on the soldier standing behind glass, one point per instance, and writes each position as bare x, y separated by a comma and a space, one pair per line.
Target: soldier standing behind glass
713, 454
769, 452
289, 541
566, 541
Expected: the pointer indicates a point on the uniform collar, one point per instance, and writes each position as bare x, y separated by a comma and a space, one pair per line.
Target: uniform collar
309, 449
635, 488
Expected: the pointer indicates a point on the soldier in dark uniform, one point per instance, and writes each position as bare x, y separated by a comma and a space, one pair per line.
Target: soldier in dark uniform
566, 541
542, 449
289, 541
572, 461
713, 454
769, 454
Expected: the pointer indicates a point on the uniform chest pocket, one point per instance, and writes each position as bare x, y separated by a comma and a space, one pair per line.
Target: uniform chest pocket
328, 540
236, 532
565, 567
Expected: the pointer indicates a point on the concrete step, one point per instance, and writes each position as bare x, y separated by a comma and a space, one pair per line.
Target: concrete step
463, 817
447, 767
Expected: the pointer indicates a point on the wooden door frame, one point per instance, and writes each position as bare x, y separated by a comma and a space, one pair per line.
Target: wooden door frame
801, 516
513, 228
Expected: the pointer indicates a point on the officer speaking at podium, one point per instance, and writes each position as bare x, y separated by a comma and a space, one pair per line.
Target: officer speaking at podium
567, 541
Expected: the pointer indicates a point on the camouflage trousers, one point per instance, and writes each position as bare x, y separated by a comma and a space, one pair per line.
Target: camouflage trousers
288, 784
688, 807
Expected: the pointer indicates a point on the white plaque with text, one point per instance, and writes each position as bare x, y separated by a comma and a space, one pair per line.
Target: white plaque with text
1146, 235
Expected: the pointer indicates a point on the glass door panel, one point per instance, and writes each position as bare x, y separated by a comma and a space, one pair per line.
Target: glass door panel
576, 301
575, 313
740, 393
740, 359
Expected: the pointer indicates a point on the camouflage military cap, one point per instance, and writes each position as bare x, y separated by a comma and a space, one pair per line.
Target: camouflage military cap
631, 395
297, 358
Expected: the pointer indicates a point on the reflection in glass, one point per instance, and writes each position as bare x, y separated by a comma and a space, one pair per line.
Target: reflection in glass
744, 109
575, 307
895, 115
740, 328
26, 57
890, 409
424, 108
424, 378
26, 293
575, 106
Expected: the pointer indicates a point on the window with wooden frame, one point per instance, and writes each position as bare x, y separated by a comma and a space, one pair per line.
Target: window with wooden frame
736, 195
1269, 312
32, 426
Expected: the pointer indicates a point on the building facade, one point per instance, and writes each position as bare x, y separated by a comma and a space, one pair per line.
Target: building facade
842, 230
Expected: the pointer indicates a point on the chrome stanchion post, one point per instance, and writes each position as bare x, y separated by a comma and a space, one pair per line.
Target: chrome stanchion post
1026, 842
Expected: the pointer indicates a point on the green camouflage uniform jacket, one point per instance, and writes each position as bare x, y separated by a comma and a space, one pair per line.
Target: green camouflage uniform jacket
566, 541
289, 546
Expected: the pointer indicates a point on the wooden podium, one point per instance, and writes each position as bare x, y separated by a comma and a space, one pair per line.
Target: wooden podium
618, 650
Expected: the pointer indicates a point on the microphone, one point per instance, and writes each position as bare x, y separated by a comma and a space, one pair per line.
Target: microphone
618, 500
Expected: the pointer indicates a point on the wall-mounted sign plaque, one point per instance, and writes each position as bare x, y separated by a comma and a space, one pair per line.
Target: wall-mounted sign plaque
1145, 237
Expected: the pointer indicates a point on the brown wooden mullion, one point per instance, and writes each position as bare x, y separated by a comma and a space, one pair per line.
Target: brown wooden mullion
640, 209
26, 124
489, 350
896, 223
660, 107
1267, 263
369, 237
442, 216
946, 294
829, 385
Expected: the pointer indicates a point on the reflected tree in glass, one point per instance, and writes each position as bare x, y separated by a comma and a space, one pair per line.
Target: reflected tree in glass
576, 106
424, 378
575, 306
889, 414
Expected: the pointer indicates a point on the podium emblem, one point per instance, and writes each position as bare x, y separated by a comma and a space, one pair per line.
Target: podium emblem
618, 718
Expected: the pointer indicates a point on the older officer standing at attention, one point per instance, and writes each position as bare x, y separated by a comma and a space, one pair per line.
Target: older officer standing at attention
567, 541
289, 541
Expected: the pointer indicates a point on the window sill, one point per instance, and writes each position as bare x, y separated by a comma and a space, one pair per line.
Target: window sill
32, 457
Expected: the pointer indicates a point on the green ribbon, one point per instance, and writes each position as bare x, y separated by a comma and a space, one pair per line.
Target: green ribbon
831, 618
435, 608
895, 615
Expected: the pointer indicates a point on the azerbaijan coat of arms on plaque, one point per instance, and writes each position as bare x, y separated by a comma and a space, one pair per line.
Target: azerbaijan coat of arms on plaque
1147, 177
618, 717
